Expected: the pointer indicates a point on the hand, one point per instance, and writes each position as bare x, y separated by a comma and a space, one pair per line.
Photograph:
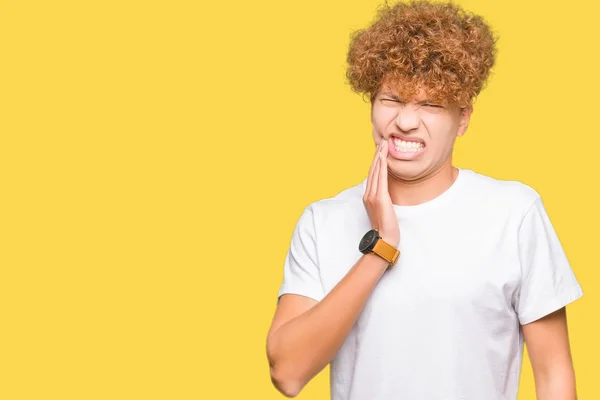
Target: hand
377, 199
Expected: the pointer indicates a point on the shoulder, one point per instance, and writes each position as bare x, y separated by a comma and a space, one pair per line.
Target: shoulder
346, 202
511, 195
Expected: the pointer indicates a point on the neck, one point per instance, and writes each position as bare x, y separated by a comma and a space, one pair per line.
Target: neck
413, 192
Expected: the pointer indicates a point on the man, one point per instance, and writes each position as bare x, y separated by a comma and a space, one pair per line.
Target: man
423, 281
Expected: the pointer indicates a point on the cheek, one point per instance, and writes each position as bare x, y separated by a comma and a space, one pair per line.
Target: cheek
440, 130
381, 118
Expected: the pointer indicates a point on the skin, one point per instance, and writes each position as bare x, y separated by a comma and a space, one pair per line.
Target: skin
547, 341
417, 181
305, 334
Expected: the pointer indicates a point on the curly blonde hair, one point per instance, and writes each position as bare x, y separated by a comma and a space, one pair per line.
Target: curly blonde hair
438, 46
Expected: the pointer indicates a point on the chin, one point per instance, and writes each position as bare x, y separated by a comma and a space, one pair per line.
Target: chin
406, 172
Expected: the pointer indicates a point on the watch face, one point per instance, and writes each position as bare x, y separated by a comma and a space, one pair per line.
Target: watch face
368, 241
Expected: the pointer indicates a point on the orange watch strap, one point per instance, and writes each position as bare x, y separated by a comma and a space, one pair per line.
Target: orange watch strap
386, 251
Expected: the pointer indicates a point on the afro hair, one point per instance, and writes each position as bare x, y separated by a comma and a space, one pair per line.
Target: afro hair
438, 46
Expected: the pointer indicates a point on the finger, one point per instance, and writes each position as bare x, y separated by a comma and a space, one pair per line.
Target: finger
383, 173
371, 169
375, 180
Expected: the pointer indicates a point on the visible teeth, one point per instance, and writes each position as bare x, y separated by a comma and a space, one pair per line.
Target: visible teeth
403, 146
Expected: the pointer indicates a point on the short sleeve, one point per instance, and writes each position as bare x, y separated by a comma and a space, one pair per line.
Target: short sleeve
301, 267
547, 280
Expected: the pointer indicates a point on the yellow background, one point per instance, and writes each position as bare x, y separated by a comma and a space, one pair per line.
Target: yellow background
156, 155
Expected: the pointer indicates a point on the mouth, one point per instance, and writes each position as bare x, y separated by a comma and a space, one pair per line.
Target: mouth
406, 148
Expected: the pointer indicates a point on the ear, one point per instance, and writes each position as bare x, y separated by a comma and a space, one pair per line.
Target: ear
465, 117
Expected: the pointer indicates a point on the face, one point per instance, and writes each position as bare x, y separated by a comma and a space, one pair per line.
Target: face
429, 131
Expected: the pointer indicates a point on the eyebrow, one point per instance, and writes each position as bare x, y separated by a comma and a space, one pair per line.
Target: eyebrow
388, 94
393, 96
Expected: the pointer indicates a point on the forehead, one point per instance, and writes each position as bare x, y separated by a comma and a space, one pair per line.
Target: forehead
402, 90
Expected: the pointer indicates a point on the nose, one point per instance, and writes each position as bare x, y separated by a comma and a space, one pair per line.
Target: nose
407, 118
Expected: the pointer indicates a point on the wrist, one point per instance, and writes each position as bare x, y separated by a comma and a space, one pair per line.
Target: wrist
383, 245
381, 264
391, 240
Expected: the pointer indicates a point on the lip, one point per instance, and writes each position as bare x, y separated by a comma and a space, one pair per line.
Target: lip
408, 139
400, 155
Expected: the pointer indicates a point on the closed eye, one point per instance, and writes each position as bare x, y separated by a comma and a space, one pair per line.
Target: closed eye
394, 100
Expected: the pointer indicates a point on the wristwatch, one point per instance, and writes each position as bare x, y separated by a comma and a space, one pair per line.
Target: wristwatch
371, 242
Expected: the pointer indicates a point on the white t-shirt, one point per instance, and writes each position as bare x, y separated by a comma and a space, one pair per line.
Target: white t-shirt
444, 323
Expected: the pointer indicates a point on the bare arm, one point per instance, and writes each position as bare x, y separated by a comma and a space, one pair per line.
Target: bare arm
549, 351
306, 335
